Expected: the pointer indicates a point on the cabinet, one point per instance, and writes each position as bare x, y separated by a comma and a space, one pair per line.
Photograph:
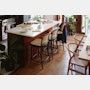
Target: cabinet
18, 20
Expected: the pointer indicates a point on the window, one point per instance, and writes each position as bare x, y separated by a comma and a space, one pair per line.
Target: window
36, 17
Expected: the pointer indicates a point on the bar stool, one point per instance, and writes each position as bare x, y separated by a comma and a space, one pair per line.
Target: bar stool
52, 40
41, 44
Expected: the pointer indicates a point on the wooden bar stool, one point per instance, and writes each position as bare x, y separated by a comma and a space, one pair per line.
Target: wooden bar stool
42, 45
53, 40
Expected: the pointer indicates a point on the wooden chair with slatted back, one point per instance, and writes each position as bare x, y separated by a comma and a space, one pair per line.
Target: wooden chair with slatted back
79, 40
75, 64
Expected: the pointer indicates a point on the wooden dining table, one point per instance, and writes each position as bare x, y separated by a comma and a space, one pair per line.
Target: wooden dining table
84, 54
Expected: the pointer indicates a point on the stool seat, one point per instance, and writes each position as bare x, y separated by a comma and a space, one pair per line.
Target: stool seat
53, 40
50, 37
36, 42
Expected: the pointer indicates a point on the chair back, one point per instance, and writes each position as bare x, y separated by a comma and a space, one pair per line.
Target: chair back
72, 49
78, 39
54, 34
45, 40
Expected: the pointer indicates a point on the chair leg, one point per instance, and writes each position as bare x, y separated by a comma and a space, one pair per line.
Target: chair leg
57, 45
53, 43
68, 71
62, 45
38, 52
73, 66
48, 52
68, 67
31, 53
51, 49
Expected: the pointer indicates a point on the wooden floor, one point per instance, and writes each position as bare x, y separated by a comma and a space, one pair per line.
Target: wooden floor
57, 66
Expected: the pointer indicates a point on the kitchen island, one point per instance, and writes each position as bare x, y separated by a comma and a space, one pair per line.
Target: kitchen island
19, 39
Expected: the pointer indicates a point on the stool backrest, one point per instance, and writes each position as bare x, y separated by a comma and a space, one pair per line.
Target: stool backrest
54, 34
45, 40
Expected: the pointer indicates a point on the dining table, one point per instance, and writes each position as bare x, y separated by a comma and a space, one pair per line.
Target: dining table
85, 53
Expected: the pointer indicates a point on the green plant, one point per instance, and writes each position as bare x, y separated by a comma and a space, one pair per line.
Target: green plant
72, 24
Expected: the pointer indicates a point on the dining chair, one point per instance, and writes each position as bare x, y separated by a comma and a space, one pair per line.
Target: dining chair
75, 64
42, 46
79, 40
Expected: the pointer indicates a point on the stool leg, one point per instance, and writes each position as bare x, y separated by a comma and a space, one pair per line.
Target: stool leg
31, 54
53, 43
41, 53
63, 45
38, 52
48, 52
52, 49
57, 45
